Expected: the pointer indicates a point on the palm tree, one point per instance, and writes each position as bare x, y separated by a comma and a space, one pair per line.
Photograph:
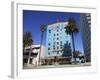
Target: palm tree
71, 29
42, 29
27, 41
77, 53
66, 49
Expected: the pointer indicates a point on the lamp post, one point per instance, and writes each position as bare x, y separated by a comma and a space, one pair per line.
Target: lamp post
42, 29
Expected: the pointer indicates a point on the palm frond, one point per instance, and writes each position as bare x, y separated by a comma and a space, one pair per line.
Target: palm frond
27, 39
71, 27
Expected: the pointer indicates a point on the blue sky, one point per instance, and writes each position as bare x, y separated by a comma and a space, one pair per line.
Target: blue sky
33, 19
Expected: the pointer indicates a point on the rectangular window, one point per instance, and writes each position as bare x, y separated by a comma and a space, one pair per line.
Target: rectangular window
49, 44
49, 31
48, 53
57, 43
57, 38
60, 46
48, 48
53, 46
60, 42
57, 47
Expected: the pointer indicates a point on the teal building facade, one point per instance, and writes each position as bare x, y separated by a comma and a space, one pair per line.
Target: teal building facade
58, 43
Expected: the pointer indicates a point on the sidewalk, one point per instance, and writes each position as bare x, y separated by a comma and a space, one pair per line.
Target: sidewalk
30, 66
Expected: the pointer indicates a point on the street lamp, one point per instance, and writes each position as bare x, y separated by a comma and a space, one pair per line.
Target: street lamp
42, 29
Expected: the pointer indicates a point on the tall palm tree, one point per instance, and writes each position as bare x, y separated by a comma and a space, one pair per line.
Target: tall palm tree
27, 41
71, 29
42, 29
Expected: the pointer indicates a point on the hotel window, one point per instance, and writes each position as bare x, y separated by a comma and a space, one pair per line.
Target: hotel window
57, 30
57, 47
57, 43
57, 34
49, 31
60, 46
57, 52
49, 44
48, 53
57, 27
54, 47
60, 42
48, 48
57, 38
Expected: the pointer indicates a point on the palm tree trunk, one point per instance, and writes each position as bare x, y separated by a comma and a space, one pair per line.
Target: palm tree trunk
84, 57
29, 55
40, 48
73, 47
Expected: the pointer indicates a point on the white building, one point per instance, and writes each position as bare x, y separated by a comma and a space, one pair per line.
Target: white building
34, 56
